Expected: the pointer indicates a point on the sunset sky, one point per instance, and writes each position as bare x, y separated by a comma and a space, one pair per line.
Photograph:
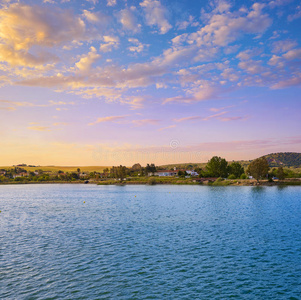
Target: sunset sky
107, 82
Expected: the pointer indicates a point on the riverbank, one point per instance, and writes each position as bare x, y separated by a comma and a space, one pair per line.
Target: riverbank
170, 181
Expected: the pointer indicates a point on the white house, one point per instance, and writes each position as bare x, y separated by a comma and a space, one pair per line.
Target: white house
192, 173
164, 173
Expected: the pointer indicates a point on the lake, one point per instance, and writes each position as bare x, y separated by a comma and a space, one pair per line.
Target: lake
74, 241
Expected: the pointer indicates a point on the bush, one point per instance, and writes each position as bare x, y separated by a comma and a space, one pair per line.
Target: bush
219, 179
152, 181
220, 182
232, 176
243, 176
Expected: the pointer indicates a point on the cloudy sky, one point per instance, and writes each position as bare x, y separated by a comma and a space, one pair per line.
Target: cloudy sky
102, 82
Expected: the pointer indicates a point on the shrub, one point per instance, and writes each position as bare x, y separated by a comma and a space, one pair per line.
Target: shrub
243, 176
220, 182
152, 181
232, 176
219, 179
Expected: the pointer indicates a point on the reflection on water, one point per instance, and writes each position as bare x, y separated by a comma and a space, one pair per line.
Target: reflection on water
258, 189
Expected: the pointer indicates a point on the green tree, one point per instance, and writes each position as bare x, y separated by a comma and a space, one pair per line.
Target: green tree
243, 176
150, 168
258, 168
182, 173
217, 167
236, 169
118, 172
136, 167
280, 173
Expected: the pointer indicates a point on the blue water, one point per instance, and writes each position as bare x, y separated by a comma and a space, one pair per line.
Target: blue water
149, 242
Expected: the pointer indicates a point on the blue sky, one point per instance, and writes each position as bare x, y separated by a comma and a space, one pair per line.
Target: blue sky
110, 82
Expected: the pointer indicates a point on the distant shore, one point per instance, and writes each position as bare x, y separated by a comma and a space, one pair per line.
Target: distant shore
226, 182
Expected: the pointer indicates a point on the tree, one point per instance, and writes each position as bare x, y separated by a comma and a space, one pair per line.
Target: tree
258, 168
106, 172
217, 167
182, 173
236, 169
136, 167
150, 168
280, 173
118, 172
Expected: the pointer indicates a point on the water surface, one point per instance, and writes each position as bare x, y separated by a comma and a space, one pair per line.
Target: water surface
149, 242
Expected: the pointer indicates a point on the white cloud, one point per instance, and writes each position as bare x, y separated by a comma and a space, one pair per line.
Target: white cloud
275, 3
24, 27
111, 2
128, 20
110, 43
283, 46
137, 47
292, 54
252, 66
224, 28
184, 24
93, 1
201, 91
156, 15
230, 74
296, 15
293, 81
96, 17
86, 61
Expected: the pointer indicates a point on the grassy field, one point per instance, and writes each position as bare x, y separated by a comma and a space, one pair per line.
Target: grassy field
55, 169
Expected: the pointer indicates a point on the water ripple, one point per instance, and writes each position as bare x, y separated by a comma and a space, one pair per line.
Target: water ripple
168, 242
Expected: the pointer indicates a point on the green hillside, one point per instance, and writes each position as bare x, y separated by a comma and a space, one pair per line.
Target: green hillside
281, 159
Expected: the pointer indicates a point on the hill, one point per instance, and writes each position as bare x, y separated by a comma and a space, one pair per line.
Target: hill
281, 159
284, 159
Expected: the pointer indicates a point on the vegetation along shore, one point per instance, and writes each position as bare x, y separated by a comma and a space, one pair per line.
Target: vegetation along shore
272, 169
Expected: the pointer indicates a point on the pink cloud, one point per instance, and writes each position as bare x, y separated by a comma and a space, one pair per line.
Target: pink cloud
107, 119
188, 119
294, 81
168, 127
145, 122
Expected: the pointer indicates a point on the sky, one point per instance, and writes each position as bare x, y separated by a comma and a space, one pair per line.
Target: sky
109, 82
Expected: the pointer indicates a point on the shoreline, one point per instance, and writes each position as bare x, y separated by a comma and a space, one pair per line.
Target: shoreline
238, 182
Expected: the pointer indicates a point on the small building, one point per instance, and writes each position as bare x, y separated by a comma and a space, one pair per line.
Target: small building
192, 173
165, 173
